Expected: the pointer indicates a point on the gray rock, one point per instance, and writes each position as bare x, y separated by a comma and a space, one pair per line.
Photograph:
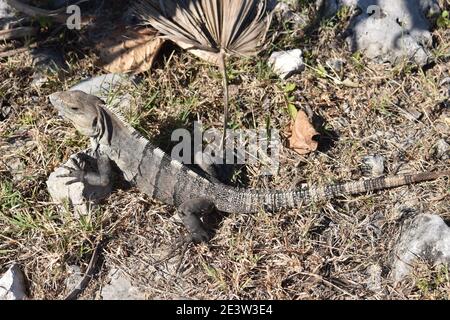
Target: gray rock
426, 237
120, 287
411, 114
7, 15
411, 14
371, 36
102, 86
373, 165
429, 8
5, 10
79, 195
374, 277
389, 30
286, 14
4, 111
17, 168
336, 64
74, 278
405, 206
283, 9
442, 150
287, 63
12, 284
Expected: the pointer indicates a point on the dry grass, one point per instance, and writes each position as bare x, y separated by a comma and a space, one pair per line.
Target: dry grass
318, 251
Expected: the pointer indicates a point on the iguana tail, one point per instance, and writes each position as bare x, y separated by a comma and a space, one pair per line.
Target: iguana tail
247, 201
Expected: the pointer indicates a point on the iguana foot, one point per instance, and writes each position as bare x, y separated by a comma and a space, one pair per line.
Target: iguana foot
77, 172
191, 212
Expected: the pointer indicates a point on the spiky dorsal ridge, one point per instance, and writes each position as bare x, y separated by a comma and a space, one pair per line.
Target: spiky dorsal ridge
118, 116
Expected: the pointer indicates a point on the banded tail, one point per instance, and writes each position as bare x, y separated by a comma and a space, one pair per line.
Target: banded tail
248, 201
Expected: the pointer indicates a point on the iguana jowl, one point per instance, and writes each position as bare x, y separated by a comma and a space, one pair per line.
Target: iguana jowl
166, 179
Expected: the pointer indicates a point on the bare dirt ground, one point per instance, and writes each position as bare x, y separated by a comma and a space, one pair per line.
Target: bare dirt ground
318, 251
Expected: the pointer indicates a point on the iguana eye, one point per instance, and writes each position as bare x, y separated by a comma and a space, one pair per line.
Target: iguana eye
94, 123
74, 108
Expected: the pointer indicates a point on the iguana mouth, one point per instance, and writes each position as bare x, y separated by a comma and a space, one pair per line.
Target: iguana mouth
56, 101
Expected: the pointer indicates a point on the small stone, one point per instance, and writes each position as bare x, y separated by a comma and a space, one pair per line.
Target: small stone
4, 111
336, 64
405, 207
74, 278
414, 114
374, 277
373, 165
282, 9
287, 63
5, 10
442, 150
286, 14
16, 168
120, 287
426, 237
12, 284
346, 108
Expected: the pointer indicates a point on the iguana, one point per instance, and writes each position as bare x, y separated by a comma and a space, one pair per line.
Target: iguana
156, 174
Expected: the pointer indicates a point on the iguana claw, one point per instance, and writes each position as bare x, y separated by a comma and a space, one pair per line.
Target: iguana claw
78, 173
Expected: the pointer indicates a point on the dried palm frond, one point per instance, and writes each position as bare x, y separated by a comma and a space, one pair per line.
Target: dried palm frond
216, 28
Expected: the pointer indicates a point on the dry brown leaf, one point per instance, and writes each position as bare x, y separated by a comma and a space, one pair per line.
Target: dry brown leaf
129, 50
208, 56
235, 26
302, 134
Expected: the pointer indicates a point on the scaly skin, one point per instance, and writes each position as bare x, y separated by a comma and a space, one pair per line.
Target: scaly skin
163, 178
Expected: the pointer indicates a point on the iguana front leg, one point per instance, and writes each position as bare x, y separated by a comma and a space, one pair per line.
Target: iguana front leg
80, 174
190, 213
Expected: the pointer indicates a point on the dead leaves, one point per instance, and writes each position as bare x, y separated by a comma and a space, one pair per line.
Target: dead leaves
208, 56
132, 50
302, 134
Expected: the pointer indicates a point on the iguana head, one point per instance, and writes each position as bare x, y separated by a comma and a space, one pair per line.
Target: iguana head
83, 110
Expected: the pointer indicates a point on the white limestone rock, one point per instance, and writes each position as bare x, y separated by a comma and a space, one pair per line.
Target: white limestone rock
12, 284
426, 237
374, 279
120, 287
388, 30
287, 63
442, 150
